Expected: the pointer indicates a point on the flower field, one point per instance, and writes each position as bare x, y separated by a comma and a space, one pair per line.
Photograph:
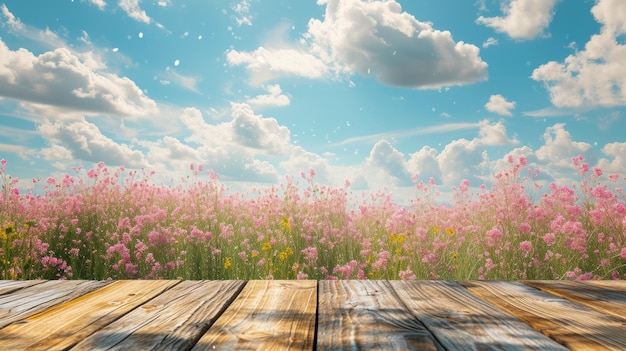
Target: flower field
114, 223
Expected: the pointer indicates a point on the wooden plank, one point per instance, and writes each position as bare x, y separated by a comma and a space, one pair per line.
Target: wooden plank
37, 298
367, 315
609, 284
599, 298
462, 321
174, 320
9, 286
64, 325
571, 324
266, 315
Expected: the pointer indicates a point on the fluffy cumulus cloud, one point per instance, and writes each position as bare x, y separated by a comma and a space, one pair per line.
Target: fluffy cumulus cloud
67, 82
370, 38
523, 19
498, 104
460, 159
463, 159
595, 76
494, 134
617, 154
84, 141
274, 97
264, 135
558, 150
424, 162
390, 161
378, 38
301, 160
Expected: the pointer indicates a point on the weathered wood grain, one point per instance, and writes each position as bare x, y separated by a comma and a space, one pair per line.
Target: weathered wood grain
39, 297
267, 315
64, 325
462, 321
571, 324
609, 284
174, 320
9, 286
367, 315
599, 298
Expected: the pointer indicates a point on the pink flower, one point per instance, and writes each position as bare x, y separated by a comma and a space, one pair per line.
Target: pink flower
525, 247
407, 275
493, 236
623, 253
549, 238
524, 227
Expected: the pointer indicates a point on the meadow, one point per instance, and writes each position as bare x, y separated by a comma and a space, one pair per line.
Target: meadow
105, 223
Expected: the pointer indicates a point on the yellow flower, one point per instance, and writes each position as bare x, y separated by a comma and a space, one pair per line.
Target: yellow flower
227, 263
286, 224
435, 229
454, 256
266, 246
450, 231
397, 239
284, 254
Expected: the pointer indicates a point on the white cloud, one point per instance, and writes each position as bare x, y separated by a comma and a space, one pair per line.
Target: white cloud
13, 22
242, 13
301, 160
595, 76
264, 135
266, 64
13, 148
524, 19
424, 162
84, 141
370, 38
44, 37
491, 41
462, 159
275, 97
56, 152
134, 11
99, 3
498, 104
387, 159
63, 82
616, 151
377, 38
403, 134
187, 82
494, 134
558, 150
231, 149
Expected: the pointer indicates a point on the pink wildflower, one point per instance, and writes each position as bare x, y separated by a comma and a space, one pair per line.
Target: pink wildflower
549, 238
526, 247
407, 275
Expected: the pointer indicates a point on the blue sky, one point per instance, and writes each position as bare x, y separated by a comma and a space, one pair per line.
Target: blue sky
369, 91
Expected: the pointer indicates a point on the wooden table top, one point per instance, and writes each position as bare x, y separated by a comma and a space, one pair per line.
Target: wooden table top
312, 315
